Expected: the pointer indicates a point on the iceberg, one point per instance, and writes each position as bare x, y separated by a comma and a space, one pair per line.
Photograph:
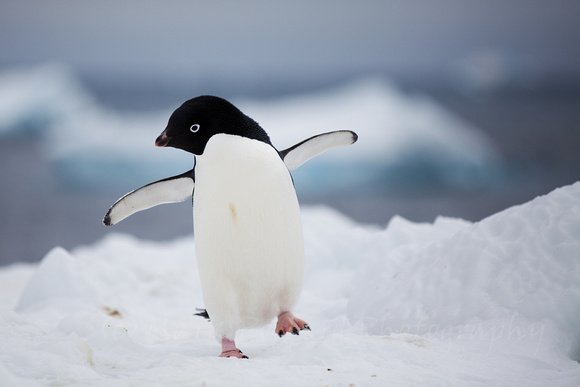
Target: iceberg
403, 139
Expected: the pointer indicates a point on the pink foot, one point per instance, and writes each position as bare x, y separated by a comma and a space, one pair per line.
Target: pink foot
229, 349
288, 323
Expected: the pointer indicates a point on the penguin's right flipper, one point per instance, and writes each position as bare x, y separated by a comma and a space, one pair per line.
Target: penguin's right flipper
170, 190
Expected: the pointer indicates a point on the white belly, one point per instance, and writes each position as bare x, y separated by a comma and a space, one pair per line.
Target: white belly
248, 233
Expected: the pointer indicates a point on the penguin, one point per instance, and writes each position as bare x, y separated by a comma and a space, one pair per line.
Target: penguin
247, 227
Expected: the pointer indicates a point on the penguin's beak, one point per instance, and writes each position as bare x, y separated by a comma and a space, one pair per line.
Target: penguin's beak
163, 139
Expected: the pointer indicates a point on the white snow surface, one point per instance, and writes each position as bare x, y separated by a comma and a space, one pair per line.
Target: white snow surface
491, 303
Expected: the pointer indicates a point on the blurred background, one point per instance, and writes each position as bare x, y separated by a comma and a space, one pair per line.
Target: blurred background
462, 108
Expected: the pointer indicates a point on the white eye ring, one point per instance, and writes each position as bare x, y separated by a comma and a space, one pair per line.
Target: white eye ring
194, 128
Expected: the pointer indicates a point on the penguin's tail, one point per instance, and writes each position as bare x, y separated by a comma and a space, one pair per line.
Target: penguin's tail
202, 313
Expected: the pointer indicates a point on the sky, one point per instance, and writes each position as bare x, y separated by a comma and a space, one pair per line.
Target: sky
302, 41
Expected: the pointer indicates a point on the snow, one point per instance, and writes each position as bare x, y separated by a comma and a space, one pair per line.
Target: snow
93, 146
451, 302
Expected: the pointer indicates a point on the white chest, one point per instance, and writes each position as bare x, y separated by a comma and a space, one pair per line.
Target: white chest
242, 182
248, 234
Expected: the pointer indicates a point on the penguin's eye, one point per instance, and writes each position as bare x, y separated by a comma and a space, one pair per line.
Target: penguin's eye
194, 128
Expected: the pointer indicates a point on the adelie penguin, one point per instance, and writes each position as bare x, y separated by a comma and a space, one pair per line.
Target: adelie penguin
248, 233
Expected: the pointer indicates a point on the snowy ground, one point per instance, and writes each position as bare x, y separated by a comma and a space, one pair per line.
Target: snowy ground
450, 303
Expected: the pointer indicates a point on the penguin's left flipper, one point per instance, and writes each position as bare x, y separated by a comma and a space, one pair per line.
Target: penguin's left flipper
300, 153
170, 190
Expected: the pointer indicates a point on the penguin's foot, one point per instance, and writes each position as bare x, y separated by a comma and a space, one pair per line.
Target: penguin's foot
288, 323
229, 349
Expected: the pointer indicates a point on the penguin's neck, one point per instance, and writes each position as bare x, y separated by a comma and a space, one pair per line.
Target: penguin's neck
232, 151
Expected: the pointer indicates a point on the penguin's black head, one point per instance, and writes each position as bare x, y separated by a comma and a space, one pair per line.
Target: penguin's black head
192, 125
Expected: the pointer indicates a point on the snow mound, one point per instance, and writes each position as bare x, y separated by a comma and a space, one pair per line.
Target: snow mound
58, 263
445, 303
520, 262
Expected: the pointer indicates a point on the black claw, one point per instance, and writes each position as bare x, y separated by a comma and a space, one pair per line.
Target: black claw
306, 326
280, 333
245, 357
295, 331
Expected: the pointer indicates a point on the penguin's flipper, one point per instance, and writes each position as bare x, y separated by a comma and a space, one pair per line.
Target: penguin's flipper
300, 153
170, 190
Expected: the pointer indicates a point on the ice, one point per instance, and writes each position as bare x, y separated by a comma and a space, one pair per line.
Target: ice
33, 98
392, 125
451, 302
401, 136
